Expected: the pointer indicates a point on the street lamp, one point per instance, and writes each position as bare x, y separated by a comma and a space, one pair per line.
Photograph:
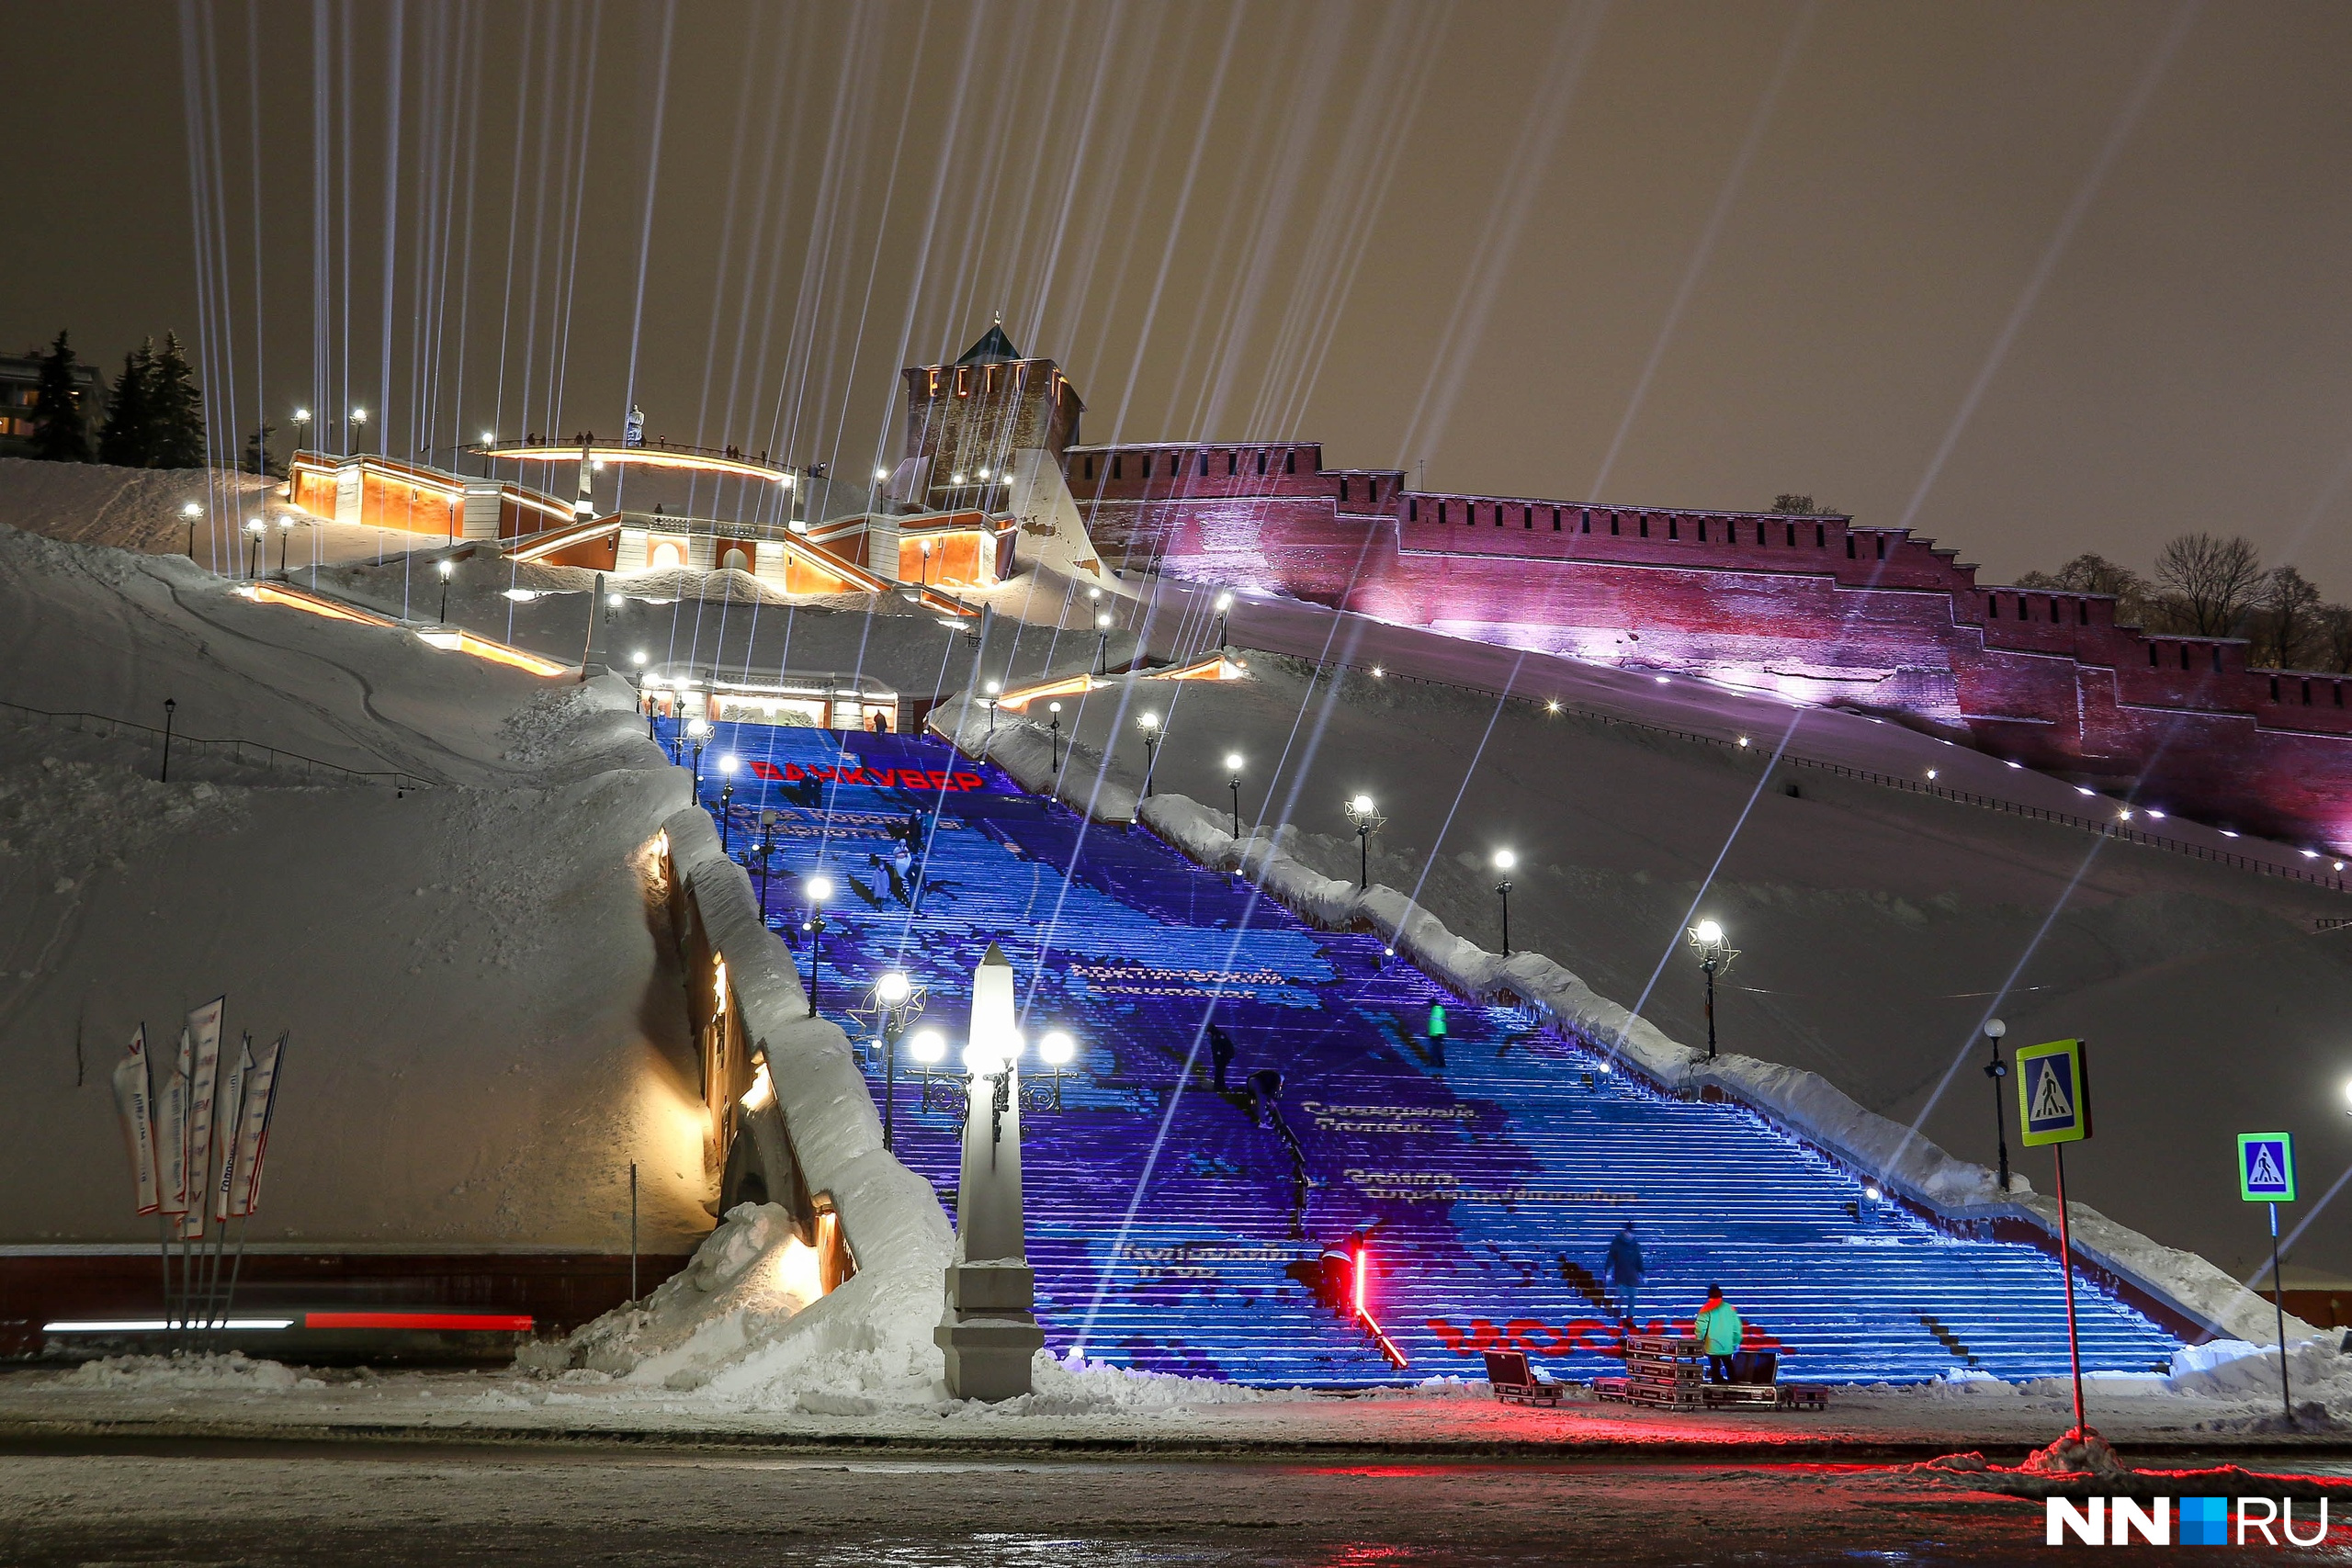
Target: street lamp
256, 529
1997, 1070
1223, 612
1055, 729
1367, 821
726, 799
817, 889
894, 1002
1504, 861
1233, 782
446, 568
992, 688
766, 849
1716, 953
1102, 642
286, 522
1149, 724
192, 512
698, 731
301, 427
358, 429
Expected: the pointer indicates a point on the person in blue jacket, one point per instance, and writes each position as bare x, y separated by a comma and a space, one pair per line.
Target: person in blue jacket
1623, 1268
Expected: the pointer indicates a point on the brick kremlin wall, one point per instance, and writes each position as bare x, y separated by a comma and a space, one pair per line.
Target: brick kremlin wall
1815, 608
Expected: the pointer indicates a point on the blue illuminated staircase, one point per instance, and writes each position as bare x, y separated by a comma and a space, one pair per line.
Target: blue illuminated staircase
1485, 1191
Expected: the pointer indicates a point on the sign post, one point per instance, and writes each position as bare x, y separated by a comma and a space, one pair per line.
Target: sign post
2266, 1175
2054, 1104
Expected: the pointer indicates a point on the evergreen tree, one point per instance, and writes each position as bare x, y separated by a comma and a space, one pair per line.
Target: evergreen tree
177, 410
60, 425
257, 457
127, 439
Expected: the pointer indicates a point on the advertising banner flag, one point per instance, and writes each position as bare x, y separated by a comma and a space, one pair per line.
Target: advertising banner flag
231, 1113
204, 1027
171, 1135
131, 1100
252, 1127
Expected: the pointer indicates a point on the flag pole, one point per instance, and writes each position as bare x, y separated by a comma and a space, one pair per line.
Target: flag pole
2066, 1262
2278, 1301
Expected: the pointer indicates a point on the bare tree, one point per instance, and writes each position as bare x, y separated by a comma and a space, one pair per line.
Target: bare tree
2333, 638
2215, 581
2285, 620
2090, 573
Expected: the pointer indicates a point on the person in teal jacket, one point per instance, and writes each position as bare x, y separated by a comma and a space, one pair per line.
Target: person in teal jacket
1719, 1329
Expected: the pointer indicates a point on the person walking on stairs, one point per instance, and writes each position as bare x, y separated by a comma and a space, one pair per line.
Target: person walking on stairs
1221, 1051
1623, 1268
1719, 1329
1436, 1035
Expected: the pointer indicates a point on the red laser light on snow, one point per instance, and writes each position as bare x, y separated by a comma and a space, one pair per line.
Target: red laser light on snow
1364, 1316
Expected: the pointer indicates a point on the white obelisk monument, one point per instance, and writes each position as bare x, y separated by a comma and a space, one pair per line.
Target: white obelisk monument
990, 1330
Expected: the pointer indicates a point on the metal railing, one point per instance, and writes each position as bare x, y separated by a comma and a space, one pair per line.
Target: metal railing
238, 753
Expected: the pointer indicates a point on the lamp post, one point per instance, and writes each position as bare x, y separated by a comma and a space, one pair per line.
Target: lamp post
767, 848
170, 706
1714, 954
1149, 724
992, 688
445, 569
816, 890
1233, 782
1997, 1070
1504, 861
1224, 613
192, 512
1102, 642
302, 423
359, 430
1367, 821
284, 536
726, 802
1054, 711
893, 1004
255, 531
698, 732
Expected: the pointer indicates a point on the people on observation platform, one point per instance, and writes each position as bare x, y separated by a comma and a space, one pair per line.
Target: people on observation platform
1623, 1268
1719, 1329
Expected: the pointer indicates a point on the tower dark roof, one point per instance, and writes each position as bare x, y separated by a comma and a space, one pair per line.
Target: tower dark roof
993, 348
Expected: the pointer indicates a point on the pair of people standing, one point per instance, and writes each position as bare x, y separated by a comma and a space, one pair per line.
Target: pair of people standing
1718, 1326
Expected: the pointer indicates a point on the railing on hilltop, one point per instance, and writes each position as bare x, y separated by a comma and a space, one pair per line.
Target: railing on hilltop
240, 753
2105, 829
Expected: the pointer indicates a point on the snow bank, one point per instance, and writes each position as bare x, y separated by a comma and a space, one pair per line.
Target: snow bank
133, 509
210, 1373
1804, 1102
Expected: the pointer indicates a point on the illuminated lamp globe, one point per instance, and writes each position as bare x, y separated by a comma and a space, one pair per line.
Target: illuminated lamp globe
1233, 762
892, 987
881, 473
638, 658
698, 726
1148, 722
488, 437
1224, 601
1053, 707
1709, 932
1362, 803
819, 888
446, 568
1057, 1048
1994, 1028
955, 478
928, 1046
191, 510
1505, 860
1102, 621
727, 764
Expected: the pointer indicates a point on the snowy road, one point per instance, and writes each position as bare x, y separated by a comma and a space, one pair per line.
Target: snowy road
290, 1503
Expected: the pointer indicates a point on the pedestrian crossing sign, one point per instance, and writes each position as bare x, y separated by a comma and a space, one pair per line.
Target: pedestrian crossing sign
2267, 1167
2054, 1093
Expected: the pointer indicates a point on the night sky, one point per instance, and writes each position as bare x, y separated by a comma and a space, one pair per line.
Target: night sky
2034, 278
